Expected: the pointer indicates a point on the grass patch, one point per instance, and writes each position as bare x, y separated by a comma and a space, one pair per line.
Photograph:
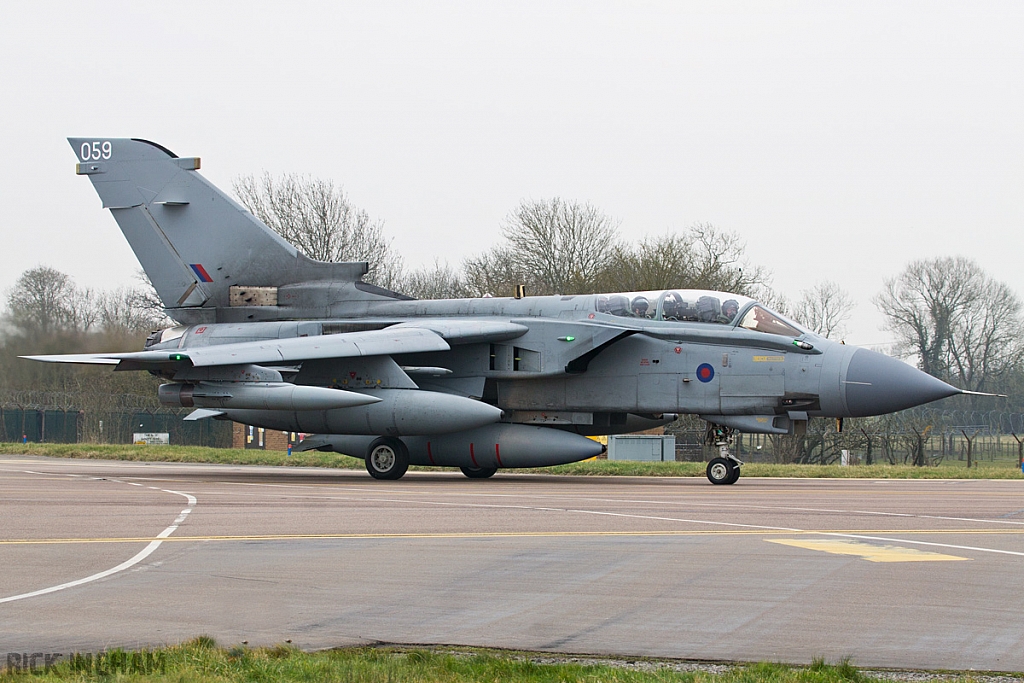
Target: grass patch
1004, 469
201, 660
191, 454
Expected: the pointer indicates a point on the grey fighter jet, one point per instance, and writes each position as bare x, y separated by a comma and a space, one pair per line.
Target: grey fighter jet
271, 338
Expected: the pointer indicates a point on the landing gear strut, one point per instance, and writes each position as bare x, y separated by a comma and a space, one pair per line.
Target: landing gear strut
725, 469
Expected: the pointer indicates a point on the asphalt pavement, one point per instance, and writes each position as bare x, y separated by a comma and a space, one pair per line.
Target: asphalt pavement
891, 573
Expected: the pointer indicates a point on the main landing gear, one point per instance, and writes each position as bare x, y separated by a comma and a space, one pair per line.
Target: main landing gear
725, 469
479, 472
387, 458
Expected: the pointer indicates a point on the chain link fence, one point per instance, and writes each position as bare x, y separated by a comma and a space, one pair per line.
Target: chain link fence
920, 436
59, 417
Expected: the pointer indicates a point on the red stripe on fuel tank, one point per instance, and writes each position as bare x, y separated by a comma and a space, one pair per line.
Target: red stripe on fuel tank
497, 454
430, 455
471, 456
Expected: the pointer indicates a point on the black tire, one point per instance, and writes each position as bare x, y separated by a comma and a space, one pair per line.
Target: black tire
722, 471
387, 458
479, 472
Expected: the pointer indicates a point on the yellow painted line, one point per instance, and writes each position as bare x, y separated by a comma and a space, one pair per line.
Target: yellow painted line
866, 551
524, 534
289, 537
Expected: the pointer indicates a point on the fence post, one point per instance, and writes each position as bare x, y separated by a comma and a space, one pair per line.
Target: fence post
970, 445
1020, 450
919, 455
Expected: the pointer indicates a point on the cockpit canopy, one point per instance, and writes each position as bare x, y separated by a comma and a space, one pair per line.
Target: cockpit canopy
700, 306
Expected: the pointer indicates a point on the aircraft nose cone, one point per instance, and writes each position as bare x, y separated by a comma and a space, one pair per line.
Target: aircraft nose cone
877, 384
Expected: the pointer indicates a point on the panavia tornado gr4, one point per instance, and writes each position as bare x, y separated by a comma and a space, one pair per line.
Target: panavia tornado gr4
271, 338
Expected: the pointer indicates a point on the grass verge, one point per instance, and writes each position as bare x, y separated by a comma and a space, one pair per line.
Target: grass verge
201, 660
227, 456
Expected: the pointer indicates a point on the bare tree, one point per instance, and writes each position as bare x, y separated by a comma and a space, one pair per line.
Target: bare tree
47, 301
496, 273
653, 263
772, 298
824, 308
702, 257
146, 299
128, 310
985, 342
961, 324
720, 263
48, 313
317, 218
923, 303
439, 282
564, 245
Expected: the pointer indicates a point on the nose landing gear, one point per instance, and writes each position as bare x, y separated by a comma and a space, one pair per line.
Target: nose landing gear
725, 469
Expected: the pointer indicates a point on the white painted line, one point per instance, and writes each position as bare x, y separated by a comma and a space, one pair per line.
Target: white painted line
747, 506
139, 557
936, 545
713, 523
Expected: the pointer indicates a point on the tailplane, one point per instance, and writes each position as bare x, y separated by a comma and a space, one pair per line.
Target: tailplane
202, 251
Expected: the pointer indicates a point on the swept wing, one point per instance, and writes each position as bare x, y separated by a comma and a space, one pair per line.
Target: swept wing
371, 343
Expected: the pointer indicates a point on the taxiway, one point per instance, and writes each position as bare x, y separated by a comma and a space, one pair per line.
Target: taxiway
889, 573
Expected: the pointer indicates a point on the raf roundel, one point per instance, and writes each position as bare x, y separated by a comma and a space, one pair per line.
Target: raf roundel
705, 373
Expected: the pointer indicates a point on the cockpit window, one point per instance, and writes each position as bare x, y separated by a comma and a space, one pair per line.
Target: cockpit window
613, 304
704, 308
762, 320
674, 305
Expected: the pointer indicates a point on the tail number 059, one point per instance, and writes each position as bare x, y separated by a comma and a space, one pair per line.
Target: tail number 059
94, 151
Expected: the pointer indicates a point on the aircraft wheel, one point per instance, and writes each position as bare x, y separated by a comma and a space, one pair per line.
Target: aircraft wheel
722, 471
479, 472
387, 458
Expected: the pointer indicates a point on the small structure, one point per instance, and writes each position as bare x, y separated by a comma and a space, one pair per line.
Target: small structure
645, 447
151, 438
248, 436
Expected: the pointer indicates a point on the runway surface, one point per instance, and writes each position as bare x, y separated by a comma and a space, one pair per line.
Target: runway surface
891, 573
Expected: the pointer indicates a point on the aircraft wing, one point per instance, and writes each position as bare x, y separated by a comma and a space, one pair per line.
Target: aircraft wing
371, 343
467, 331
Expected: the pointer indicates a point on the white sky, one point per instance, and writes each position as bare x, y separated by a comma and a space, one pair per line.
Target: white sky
841, 140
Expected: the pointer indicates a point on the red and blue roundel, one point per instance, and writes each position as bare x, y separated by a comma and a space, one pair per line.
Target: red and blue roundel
705, 373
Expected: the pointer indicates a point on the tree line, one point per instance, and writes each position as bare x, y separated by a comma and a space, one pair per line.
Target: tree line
552, 246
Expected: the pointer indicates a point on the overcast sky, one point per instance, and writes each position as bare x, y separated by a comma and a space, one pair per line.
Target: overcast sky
840, 140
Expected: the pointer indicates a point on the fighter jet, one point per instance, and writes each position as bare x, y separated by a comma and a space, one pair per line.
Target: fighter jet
271, 338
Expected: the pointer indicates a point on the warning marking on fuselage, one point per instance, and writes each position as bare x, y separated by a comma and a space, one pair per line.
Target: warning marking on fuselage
866, 551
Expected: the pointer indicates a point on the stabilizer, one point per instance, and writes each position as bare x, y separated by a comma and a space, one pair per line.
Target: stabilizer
195, 242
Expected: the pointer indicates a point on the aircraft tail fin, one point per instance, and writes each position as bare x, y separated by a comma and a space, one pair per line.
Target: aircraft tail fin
198, 246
